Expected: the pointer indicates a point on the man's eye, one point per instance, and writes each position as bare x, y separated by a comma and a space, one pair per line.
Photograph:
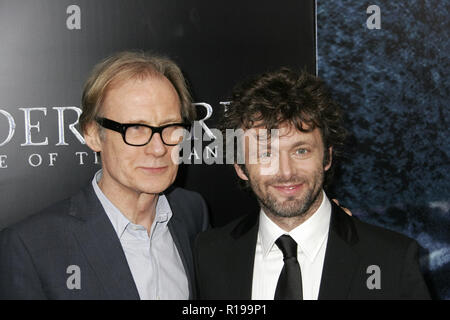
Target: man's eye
301, 152
136, 128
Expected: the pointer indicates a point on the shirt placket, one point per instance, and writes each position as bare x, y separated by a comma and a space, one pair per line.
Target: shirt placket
154, 236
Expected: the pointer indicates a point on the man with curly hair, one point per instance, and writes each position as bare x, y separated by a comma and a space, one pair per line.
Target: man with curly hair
299, 245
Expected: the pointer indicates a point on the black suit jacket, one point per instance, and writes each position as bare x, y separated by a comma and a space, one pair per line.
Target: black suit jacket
35, 253
225, 256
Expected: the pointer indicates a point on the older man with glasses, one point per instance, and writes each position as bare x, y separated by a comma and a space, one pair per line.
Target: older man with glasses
127, 235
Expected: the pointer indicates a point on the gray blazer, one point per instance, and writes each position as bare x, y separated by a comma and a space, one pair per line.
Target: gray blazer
35, 253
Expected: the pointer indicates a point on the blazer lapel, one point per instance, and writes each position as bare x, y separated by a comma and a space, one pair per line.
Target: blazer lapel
101, 246
240, 267
341, 261
180, 236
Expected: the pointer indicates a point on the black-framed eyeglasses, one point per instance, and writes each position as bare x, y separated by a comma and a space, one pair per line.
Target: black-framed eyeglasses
138, 134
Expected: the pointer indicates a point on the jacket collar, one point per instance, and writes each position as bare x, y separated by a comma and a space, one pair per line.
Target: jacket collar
178, 230
243, 256
105, 252
340, 262
101, 246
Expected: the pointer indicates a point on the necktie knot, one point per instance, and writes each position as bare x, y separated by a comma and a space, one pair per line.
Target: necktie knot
288, 246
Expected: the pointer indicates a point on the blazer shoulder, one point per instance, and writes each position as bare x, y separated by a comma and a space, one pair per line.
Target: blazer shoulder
224, 232
78, 205
181, 194
369, 232
43, 220
395, 253
191, 200
189, 206
44, 229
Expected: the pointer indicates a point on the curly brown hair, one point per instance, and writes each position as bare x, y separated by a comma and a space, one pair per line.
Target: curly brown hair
285, 96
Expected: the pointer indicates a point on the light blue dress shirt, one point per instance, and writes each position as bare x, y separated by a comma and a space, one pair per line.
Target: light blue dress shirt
154, 260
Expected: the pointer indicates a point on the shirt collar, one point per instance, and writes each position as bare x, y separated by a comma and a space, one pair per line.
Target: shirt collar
309, 236
119, 221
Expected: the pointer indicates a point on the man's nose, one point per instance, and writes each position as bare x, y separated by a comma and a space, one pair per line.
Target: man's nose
285, 166
156, 147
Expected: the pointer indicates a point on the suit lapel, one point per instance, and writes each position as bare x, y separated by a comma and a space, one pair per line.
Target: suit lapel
240, 267
101, 246
341, 261
180, 236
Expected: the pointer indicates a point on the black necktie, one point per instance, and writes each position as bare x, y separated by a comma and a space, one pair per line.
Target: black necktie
289, 286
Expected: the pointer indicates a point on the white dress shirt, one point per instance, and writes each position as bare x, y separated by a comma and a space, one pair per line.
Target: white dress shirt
154, 261
311, 237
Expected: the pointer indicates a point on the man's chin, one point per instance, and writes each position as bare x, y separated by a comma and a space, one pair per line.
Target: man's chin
152, 189
290, 213
289, 206
153, 186
284, 210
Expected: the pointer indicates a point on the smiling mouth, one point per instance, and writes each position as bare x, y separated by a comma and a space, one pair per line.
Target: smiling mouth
288, 189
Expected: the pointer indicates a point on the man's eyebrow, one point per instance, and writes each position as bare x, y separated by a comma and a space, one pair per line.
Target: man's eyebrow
295, 144
172, 120
301, 143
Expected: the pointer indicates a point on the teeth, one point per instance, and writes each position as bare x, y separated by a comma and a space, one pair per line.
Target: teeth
288, 187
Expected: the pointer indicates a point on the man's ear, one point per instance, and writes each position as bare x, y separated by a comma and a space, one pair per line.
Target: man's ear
240, 172
330, 159
92, 137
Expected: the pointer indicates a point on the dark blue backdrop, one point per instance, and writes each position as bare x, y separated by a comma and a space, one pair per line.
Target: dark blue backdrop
392, 83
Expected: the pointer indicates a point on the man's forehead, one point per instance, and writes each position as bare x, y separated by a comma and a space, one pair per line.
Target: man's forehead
125, 82
284, 131
149, 85
141, 103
